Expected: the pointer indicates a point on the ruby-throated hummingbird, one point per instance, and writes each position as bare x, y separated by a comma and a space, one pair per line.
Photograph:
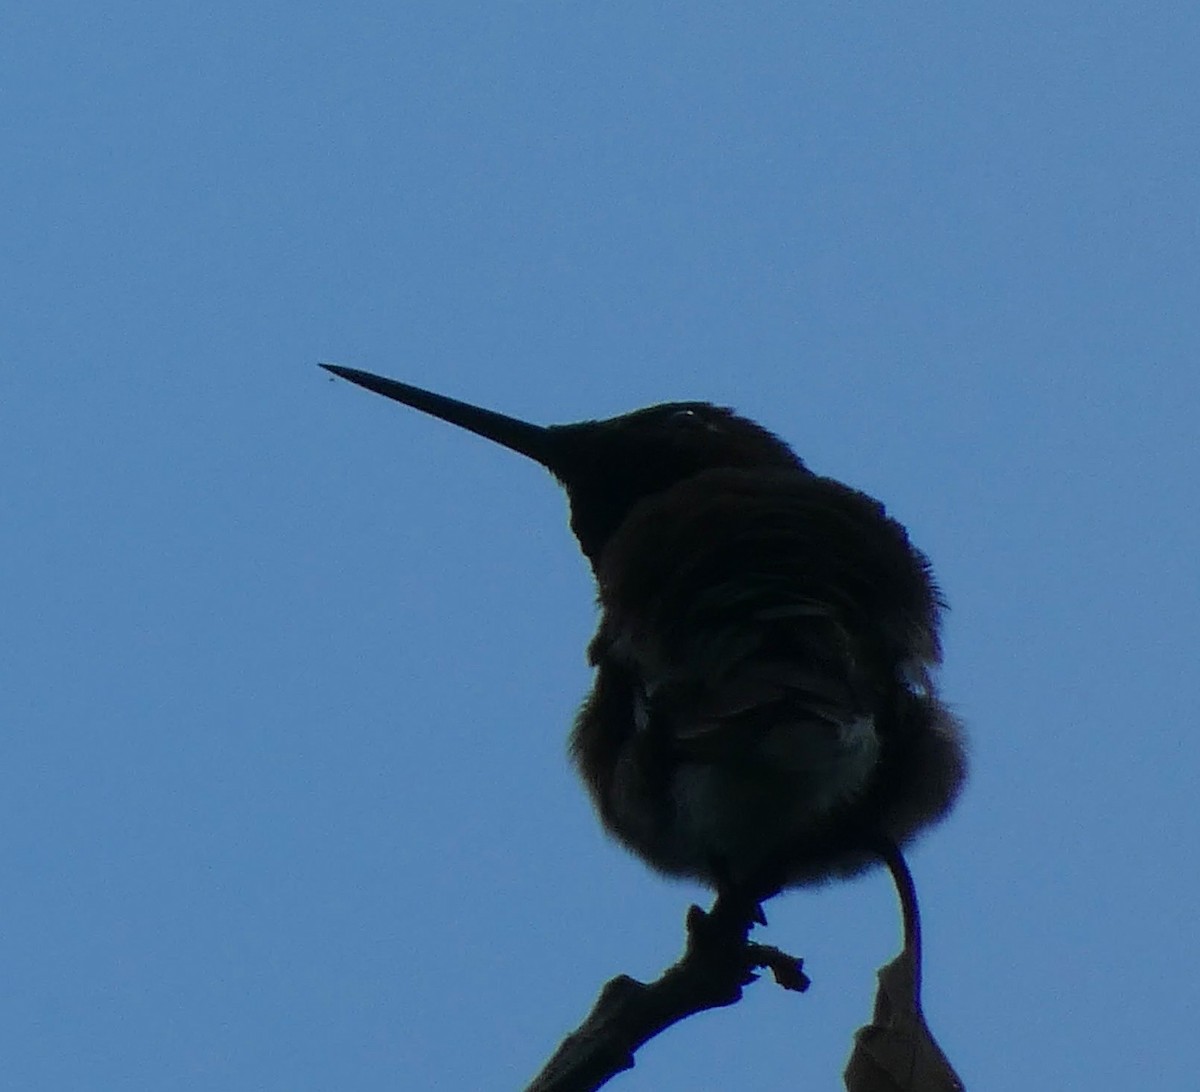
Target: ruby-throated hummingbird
764, 712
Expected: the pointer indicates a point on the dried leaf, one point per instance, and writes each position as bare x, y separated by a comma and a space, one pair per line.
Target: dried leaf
896, 1052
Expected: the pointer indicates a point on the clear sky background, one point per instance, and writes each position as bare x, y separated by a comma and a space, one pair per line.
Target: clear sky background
286, 670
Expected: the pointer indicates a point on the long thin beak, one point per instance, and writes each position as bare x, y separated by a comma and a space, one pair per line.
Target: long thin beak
533, 441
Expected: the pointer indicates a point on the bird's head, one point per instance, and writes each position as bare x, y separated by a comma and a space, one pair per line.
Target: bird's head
607, 466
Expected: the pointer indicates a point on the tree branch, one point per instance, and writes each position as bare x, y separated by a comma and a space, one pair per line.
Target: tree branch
718, 962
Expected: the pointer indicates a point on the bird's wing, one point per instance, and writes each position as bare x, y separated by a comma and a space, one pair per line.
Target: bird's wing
780, 686
766, 616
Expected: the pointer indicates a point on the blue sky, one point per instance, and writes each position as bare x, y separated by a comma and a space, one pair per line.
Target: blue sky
286, 671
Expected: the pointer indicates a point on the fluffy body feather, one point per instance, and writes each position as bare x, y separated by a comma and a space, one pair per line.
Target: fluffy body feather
764, 704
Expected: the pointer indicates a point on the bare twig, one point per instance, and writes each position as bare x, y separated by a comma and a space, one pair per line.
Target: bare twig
897, 1052
910, 910
718, 962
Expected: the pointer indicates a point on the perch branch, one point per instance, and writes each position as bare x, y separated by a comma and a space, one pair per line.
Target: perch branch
718, 962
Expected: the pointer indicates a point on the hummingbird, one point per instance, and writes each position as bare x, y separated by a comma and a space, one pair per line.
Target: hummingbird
764, 712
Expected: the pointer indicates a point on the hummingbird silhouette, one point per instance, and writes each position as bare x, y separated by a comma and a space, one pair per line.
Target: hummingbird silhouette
764, 712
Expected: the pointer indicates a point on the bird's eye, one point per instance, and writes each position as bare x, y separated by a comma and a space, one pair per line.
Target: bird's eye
684, 417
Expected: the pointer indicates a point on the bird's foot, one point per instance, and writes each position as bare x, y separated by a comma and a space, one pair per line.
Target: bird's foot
721, 937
